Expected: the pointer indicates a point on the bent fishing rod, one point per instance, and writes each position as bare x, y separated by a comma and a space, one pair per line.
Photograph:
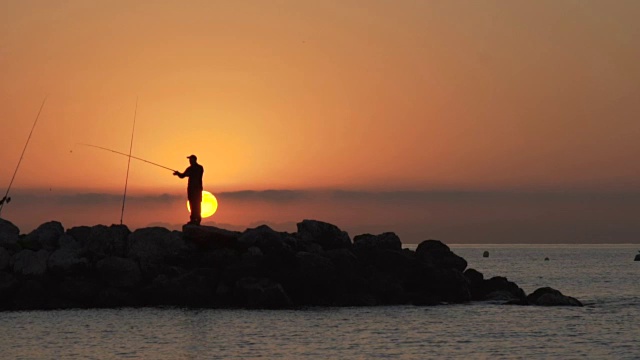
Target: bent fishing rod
6, 199
127, 155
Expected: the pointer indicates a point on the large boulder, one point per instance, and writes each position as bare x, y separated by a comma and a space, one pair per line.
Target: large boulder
314, 267
384, 241
31, 295
67, 241
119, 272
547, 296
9, 235
218, 258
437, 254
44, 237
447, 284
324, 234
164, 290
311, 280
497, 289
155, 244
210, 236
266, 239
260, 293
344, 260
30, 263
67, 260
8, 285
5, 257
80, 233
193, 288
304, 245
103, 241
80, 292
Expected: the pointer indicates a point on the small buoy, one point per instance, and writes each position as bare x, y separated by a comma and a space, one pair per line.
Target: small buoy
485, 254
546, 259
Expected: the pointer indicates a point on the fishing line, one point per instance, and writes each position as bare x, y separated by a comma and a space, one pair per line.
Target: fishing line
123, 154
126, 181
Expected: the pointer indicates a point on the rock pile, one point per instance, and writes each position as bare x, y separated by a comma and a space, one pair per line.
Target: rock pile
204, 266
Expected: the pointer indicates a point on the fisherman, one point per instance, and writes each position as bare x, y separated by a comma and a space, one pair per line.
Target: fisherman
194, 188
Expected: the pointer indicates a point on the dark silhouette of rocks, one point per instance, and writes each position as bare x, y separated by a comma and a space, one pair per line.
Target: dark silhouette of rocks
44, 237
547, 296
205, 266
9, 235
637, 258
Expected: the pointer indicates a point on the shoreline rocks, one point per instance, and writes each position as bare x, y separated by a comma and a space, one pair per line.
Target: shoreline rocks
209, 267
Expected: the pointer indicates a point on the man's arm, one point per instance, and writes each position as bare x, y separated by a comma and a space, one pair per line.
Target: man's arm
183, 174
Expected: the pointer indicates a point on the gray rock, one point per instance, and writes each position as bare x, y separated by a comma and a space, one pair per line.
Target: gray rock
67, 260
32, 294
266, 239
447, 284
384, 241
80, 233
67, 241
324, 234
119, 272
344, 260
220, 258
299, 245
496, 288
44, 237
9, 235
155, 244
314, 267
210, 236
165, 290
253, 251
547, 296
104, 241
8, 285
81, 292
30, 263
5, 257
260, 293
437, 254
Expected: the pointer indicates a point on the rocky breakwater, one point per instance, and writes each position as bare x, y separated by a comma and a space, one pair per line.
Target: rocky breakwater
203, 266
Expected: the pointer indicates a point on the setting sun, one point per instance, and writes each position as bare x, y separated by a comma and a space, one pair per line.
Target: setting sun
209, 204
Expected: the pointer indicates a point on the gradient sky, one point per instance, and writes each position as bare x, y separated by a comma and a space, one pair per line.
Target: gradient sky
372, 96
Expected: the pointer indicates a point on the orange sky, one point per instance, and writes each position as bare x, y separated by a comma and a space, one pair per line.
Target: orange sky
375, 95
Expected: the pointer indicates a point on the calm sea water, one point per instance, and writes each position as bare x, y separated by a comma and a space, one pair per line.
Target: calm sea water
605, 278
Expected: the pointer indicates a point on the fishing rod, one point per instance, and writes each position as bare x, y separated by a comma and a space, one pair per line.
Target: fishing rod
6, 199
126, 181
123, 154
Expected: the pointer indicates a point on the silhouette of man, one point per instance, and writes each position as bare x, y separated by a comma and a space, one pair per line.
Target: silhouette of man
194, 187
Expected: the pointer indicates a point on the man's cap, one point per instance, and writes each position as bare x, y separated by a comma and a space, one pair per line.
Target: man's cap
192, 157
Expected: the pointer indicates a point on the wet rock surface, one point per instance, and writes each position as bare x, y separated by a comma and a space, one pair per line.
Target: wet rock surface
209, 267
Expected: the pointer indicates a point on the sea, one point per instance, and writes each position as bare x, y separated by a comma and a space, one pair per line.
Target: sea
604, 277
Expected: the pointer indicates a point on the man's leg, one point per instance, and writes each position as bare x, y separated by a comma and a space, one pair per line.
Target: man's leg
199, 212
195, 211
195, 203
